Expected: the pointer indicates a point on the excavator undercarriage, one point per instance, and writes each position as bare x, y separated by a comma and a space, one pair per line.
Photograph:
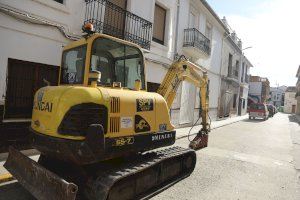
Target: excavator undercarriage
134, 177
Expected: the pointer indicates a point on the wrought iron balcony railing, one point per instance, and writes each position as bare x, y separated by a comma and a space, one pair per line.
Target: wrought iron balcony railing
113, 20
194, 38
233, 73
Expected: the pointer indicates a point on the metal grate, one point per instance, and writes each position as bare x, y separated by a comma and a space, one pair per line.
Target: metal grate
77, 120
113, 20
115, 104
194, 38
114, 124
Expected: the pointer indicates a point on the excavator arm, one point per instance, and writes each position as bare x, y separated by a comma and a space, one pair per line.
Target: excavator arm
184, 70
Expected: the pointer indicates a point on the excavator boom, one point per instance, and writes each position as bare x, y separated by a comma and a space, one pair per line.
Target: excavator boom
184, 70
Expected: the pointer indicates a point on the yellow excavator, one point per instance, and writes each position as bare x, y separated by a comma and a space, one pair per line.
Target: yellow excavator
97, 130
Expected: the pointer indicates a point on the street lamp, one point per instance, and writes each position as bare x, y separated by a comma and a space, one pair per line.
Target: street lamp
246, 48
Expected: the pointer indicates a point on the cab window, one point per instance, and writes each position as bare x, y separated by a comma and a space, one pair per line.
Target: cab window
72, 69
117, 62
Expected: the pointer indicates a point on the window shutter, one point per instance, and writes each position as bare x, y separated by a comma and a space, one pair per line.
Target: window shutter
159, 24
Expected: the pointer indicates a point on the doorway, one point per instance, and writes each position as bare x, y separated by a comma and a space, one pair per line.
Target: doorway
23, 80
293, 109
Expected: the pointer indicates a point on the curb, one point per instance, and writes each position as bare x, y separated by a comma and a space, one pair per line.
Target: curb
185, 136
6, 177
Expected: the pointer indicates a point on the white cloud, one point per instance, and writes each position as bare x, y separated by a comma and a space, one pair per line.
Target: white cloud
274, 33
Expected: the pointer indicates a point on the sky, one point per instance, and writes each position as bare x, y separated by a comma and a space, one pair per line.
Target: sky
272, 29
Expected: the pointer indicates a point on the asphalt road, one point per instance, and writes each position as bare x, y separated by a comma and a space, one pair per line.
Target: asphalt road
251, 159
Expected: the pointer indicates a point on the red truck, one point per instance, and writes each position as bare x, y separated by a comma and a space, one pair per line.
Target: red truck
258, 110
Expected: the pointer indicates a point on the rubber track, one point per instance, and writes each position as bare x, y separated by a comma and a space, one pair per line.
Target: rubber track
101, 188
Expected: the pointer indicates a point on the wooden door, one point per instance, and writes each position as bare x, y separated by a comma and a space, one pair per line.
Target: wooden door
293, 108
23, 80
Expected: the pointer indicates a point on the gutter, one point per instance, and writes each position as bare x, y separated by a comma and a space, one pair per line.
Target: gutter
209, 8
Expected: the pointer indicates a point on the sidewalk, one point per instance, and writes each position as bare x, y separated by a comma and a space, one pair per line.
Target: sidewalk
295, 136
180, 133
183, 132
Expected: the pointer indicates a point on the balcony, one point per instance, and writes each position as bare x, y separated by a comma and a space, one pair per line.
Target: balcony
196, 44
113, 20
232, 76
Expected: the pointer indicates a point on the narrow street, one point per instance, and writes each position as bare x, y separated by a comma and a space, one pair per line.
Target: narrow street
251, 159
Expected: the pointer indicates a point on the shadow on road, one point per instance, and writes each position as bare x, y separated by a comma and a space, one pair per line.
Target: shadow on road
14, 191
253, 120
293, 118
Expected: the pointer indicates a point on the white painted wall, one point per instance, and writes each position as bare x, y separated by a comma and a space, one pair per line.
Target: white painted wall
212, 63
255, 88
36, 43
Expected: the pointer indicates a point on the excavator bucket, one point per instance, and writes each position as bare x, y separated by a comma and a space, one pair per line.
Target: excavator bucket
40, 182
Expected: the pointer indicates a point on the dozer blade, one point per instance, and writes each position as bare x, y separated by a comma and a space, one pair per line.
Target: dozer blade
40, 182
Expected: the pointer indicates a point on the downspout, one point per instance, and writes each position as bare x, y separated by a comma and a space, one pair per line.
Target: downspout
176, 36
176, 33
220, 72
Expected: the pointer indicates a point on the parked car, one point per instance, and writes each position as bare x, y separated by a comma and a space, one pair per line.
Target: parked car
271, 109
258, 110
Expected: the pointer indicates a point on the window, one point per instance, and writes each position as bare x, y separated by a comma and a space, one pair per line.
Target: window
117, 63
243, 75
236, 72
244, 104
229, 65
159, 24
60, 1
73, 63
257, 106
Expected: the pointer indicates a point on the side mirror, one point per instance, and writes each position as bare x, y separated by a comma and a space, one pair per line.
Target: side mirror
94, 77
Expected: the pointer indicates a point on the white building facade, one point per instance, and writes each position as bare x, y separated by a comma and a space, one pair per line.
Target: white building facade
34, 32
235, 69
199, 38
32, 35
277, 95
244, 79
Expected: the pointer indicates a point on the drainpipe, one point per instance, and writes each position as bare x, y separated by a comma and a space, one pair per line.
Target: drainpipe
176, 34
220, 72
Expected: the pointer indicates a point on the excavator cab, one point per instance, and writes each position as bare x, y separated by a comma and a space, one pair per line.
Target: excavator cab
119, 64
